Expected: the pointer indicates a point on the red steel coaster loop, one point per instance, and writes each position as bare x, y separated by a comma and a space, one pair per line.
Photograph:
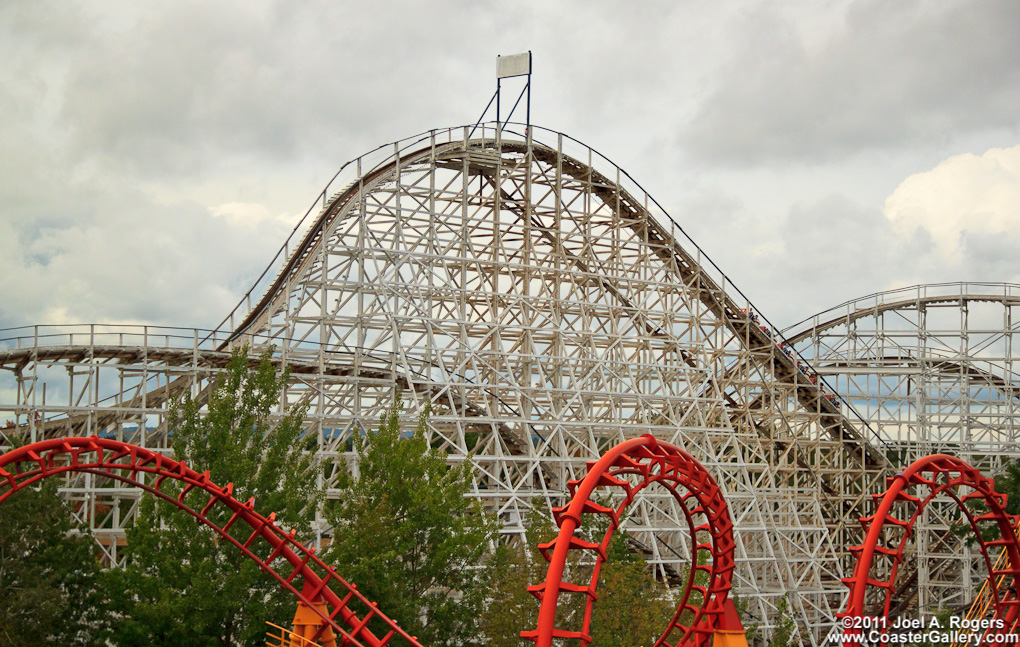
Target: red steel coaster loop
887, 534
708, 521
294, 566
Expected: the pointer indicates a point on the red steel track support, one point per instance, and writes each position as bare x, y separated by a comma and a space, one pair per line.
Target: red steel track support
892, 525
630, 467
293, 565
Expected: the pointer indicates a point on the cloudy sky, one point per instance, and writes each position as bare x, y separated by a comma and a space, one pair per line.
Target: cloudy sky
153, 155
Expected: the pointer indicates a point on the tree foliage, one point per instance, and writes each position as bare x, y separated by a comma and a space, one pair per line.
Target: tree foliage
633, 608
747, 618
785, 632
182, 586
406, 534
1008, 483
51, 585
512, 569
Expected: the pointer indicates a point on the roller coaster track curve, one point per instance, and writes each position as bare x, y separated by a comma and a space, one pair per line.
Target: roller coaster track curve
306, 576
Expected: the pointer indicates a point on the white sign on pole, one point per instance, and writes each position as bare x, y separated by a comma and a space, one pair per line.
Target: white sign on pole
513, 65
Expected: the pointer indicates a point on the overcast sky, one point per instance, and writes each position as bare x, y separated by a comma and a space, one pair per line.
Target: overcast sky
153, 155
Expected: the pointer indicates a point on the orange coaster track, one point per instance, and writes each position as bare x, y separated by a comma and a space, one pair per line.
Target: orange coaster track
892, 525
630, 467
294, 566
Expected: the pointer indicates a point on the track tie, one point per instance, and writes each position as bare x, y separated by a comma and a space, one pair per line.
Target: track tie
589, 507
537, 590
572, 486
849, 582
857, 550
184, 492
372, 611
909, 498
343, 603
990, 516
38, 459
574, 543
612, 481
532, 635
1006, 571
896, 521
318, 589
208, 506
255, 534
705, 568
233, 519
279, 549
645, 454
304, 562
626, 462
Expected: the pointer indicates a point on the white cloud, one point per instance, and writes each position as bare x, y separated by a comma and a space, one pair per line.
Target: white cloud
964, 204
247, 215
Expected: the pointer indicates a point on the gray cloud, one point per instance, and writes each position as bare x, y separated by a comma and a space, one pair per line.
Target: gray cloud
130, 129
818, 254
890, 75
825, 253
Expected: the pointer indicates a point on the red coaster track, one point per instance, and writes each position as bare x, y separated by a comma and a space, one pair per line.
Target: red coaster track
632, 466
293, 565
887, 533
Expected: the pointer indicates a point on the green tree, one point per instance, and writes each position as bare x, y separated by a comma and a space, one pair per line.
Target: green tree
511, 570
406, 534
786, 627
1008, 483
511, 608
51, 585
633, 608
183, 586
942, 617
744, 612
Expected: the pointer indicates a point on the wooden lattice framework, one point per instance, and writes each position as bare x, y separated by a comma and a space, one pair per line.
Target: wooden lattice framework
546, 308
932, 370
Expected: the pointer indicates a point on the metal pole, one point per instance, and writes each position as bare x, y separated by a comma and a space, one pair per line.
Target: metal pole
527, 117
